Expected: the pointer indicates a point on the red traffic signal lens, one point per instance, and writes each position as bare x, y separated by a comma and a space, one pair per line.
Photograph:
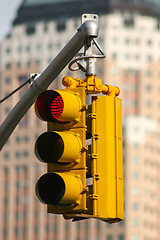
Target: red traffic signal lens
49, 106
57, 106
61, 106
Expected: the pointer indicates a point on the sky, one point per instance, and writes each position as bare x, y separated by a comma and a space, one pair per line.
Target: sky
8, 11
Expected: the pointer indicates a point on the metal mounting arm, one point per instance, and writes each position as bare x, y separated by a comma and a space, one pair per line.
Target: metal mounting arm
89, 29
87, 61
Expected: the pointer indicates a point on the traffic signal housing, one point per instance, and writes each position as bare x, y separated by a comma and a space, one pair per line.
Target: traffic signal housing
62, 147
107, 161
82, 181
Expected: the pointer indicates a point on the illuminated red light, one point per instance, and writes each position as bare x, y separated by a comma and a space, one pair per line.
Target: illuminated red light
57, 107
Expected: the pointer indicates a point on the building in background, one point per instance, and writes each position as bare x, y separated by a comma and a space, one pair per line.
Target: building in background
130, 36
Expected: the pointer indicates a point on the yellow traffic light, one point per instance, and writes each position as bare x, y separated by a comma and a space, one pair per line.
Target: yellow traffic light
61, 106
70, 162
58, 188
104, 160
56, 147
63, 188
107, 158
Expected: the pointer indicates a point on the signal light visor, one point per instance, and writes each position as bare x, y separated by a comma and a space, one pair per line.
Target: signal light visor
61, 106
58, 188
54, 147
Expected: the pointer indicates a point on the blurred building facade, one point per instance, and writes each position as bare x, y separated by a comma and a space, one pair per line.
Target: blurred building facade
130, 36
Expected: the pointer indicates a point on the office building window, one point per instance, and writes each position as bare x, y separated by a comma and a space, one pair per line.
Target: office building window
149, 73
30, 30
135, 144
17, 139
28, 48
109, 237
37, 168
59, 45
38, 62
17, 185
135, 222
114, 55
6, 186
61, 25
137, 57
17, 215
100, 71
135, 175
6, 155
19, 49
127, 41
114, 70
129, 22
6, 171
121, 237
148, 103
149, 42
134, 191
149, 58
24, 214
39, 46
114, 40
5, 233
127, 56
135, 102
6, 199
8, 50
26, 139
16, 231
17, 200
36, 213
126, 102
17, 155
148, 88
5, 216
136, 128
19, 64
8, 80
26, 153
137, 42
28, 63
135, 237
8, 65
50, 45
24, 230
126, 86
135, 206
45, 28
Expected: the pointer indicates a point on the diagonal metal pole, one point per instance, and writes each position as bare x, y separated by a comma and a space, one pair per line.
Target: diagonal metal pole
89, 29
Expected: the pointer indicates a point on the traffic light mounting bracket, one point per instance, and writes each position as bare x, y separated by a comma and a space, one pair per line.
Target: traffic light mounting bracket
92, 85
